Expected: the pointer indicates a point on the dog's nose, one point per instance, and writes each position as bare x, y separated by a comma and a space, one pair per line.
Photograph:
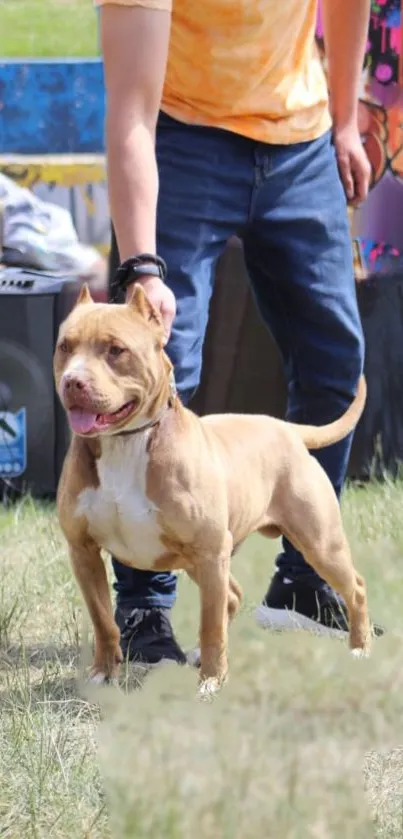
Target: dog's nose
74, 384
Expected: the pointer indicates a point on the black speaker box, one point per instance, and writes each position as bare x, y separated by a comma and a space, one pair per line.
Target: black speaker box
33, 430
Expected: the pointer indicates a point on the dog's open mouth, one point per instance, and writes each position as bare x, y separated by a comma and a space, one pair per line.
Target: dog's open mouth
85, 422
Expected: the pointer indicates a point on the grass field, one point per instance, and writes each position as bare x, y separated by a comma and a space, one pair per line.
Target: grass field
47, 28
284, 752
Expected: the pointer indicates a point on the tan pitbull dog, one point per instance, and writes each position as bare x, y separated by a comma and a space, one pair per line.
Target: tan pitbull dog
160, 488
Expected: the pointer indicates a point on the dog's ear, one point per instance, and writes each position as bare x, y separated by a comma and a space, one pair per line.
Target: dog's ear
84, 296
140, 303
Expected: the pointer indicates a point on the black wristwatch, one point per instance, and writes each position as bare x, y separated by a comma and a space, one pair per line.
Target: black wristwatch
133, 270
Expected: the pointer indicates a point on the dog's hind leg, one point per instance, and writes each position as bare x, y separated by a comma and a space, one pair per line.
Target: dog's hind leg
235, 594
235, 597
334, 564
311, 520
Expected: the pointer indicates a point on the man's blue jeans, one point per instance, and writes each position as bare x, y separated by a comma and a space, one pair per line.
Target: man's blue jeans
288, 206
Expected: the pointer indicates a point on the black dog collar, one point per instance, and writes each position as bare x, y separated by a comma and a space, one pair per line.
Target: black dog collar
150, 423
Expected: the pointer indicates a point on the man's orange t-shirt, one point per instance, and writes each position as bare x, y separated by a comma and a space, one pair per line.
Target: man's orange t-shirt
249, 66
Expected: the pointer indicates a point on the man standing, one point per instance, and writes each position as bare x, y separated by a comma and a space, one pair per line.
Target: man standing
232, 96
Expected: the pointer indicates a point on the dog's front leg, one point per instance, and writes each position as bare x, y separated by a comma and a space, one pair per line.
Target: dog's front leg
89, 570
212, 577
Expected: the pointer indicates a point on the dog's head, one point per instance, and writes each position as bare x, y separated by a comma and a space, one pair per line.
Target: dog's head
110, 368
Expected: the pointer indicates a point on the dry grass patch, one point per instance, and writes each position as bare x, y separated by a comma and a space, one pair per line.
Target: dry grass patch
280, 754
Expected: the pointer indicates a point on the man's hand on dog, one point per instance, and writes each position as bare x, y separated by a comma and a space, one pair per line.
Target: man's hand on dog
163, 301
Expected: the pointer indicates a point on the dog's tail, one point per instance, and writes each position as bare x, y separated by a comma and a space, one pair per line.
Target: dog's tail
317, 437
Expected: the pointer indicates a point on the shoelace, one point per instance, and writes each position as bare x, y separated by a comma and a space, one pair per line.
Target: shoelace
155, 620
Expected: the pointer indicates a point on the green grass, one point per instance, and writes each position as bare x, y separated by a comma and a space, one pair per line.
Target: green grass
47, 28
285, 751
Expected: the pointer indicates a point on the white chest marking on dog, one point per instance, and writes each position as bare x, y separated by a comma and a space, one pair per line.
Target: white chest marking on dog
120, 516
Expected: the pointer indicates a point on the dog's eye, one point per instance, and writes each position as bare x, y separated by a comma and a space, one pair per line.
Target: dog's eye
64, 346
115, 351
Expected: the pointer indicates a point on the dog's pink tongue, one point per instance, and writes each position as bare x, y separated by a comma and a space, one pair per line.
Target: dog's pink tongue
81, 421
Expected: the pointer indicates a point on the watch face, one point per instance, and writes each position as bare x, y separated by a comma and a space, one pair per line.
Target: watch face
133, 271
137, 272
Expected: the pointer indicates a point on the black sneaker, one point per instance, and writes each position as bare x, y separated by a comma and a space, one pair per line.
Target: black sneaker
298, 604
146, 636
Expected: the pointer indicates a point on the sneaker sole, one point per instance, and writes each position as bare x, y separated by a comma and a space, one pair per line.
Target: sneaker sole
193, 658
154, 665
284, 620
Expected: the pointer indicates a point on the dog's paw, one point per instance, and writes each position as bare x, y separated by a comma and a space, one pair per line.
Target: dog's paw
208, 689
98, 677
360, 652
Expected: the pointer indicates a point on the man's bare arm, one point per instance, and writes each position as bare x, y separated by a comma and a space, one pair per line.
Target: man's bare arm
135, 46
346, 25
346, 33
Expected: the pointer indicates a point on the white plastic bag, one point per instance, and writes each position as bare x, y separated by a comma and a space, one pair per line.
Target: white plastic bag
41, 235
